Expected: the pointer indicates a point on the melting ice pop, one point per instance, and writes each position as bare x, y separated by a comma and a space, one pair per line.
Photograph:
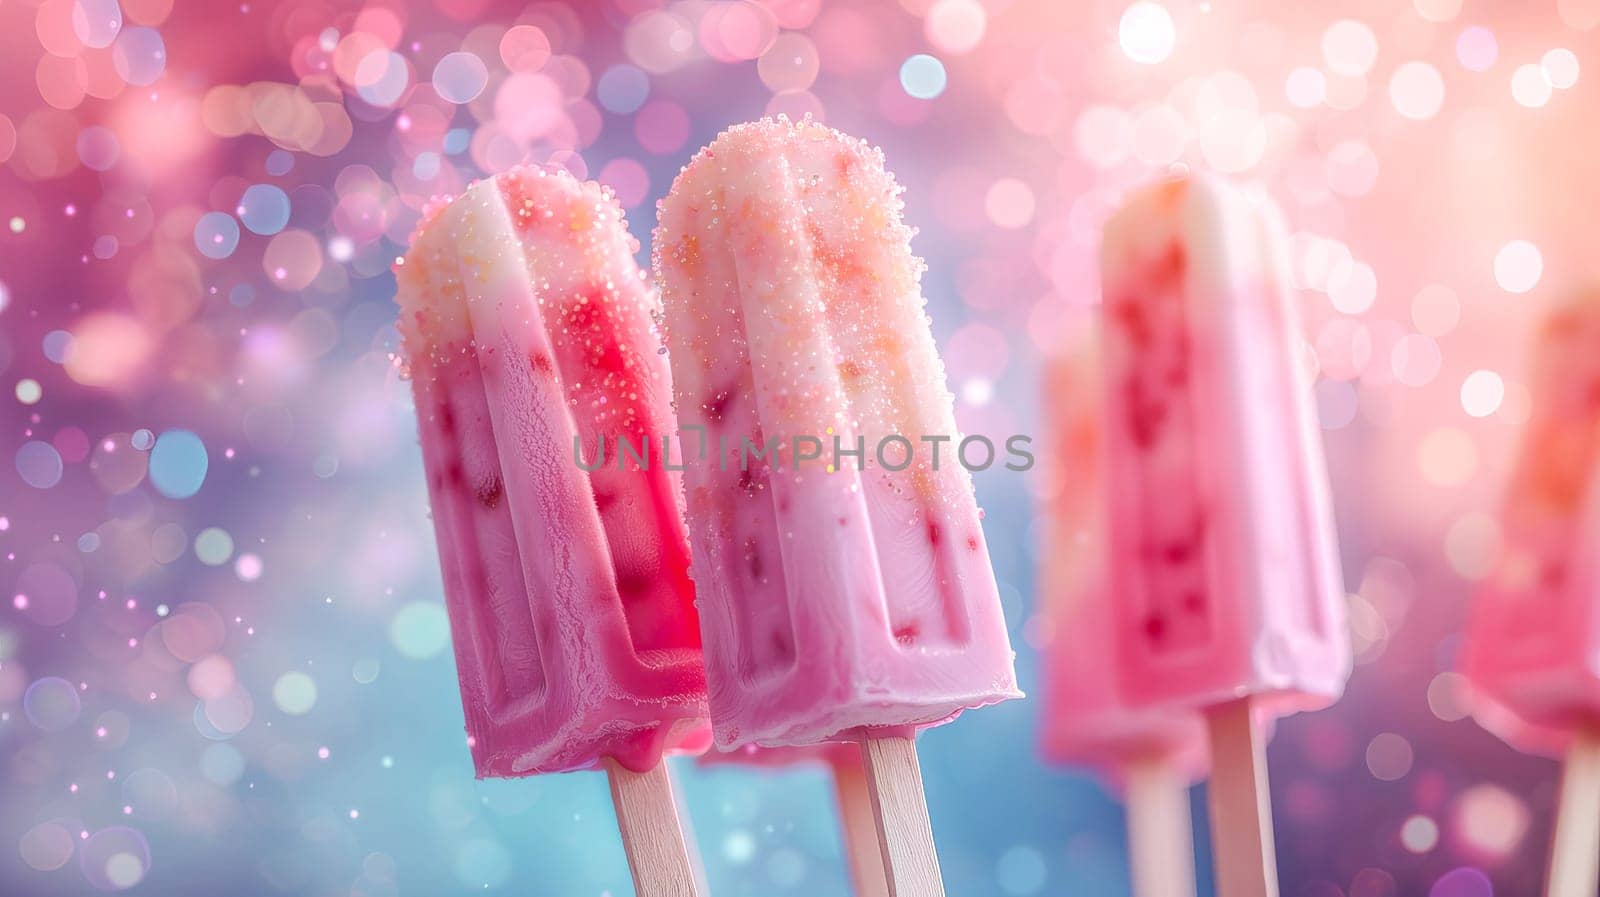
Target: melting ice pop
843, 762
842, 595
527, 324
1149, 754
1224, 561
1530, 645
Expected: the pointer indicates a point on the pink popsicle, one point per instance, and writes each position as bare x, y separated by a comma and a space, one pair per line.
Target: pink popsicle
834, 602
1225, 569
1150, 755
526, 324
1530, 647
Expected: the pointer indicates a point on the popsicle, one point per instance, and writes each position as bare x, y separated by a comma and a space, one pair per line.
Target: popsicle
1224, 562
1531, 640
841, 597
1150, 755
527, 325
843, 762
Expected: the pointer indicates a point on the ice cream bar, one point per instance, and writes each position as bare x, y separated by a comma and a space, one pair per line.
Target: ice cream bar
1535, 623
841, 594
1149, 755
528, 336
1531, 641
1088, 718
1224, 562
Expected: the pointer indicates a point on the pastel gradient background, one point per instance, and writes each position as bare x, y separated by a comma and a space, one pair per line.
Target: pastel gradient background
223, 652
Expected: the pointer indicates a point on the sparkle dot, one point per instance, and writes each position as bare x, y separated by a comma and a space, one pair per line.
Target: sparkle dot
1146, 32
17, 224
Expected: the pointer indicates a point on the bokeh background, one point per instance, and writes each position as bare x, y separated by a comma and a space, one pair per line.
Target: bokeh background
223, 652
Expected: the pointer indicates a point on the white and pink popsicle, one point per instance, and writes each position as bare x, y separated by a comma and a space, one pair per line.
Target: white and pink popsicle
526, 324
1148, 754
1534, 635
1224, 562
835, 601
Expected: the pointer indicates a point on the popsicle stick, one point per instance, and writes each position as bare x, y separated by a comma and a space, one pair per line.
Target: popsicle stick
861, 846
1160, 830
905, 836
652, 836
1241, 811
691, 842
1575, 846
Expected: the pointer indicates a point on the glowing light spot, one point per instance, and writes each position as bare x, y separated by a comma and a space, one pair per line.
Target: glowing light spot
39, 464
1419, 834
264, 209
622, 89
1356, 293
178, 464
922, 76
1518, 266
213, 546
295, 693
1447, 696
1492, 820
1476, 49
216, 235
139, 56
1560, 67
1437, 10
1146, 33
955, 26
420, 630
1481, 393
248, 567
460, 77
1349, 47
1417, 90
1306, 87
1530, 86
1389, 757
1009, 203
1435, 310
46, 847
28, 391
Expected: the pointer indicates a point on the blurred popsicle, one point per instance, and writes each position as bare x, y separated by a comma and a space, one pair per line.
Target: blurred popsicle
1224, 561
527, 324
843, 762
1149, 754
838, 601
1531, 641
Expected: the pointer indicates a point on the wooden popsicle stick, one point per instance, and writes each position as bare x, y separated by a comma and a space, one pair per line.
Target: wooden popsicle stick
1241, 809
1160, 830
652, 835
1575, 844
905, 836
861, 846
